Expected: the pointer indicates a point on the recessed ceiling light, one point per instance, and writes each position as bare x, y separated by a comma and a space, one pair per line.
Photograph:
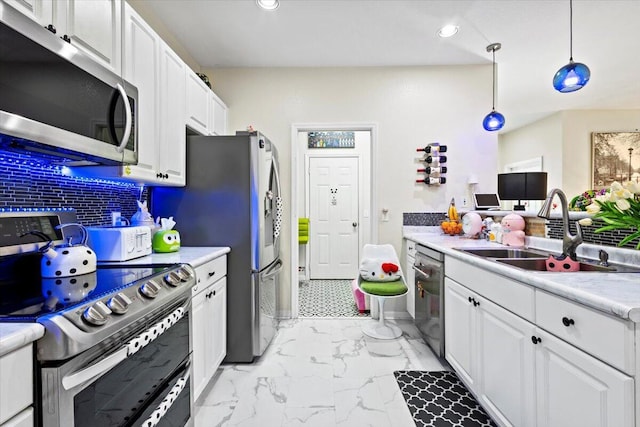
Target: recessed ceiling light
268, 4
448, 31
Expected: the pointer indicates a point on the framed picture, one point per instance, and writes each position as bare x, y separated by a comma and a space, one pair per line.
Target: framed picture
615, 157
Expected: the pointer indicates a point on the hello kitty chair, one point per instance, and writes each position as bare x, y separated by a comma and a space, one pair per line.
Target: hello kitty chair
381, 278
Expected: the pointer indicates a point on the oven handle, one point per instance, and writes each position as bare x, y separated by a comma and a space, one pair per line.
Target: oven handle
167, 402
422, 273
133, 346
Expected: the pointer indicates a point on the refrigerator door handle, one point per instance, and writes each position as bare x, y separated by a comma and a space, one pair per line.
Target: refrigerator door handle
275, 268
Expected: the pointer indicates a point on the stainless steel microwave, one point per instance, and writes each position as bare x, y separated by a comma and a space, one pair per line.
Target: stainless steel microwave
57, 102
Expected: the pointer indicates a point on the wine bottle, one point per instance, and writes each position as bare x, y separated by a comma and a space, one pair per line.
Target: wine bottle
434, 169
434, 148
430, 180
436, 160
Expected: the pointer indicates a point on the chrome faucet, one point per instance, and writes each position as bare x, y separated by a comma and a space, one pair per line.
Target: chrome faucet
569, 241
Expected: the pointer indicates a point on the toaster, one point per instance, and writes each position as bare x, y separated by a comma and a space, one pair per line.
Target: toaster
120, 243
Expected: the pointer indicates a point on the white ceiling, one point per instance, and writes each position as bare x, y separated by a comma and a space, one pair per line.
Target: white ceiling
354, 33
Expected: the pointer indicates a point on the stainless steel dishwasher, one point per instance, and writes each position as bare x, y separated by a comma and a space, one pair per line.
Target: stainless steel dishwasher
429, 297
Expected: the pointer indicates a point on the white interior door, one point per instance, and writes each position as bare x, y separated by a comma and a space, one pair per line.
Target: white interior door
333, 214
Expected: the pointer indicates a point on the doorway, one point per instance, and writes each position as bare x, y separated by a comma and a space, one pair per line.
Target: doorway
332, 185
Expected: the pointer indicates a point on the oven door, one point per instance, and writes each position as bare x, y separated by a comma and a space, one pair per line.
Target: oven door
126, 385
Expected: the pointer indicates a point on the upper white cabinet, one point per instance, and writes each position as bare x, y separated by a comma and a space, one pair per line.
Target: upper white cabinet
93, 26
141, 64
172, 139
218, 116
198, 103
40, 11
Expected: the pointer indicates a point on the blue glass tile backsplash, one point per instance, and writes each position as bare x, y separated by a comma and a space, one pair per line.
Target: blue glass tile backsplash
28, 182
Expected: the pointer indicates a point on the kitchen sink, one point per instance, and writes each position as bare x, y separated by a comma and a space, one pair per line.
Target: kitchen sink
540, 265
505, 253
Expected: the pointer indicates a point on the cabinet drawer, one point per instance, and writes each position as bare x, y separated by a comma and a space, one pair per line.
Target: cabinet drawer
23, 419
608, 338
16, 382
209, 273
508, 293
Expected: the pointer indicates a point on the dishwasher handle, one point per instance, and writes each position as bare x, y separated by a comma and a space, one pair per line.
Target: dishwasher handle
422, 273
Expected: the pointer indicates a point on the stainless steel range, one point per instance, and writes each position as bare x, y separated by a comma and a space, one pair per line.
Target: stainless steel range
116, 348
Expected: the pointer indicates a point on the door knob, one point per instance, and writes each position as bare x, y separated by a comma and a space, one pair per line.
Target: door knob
355, 224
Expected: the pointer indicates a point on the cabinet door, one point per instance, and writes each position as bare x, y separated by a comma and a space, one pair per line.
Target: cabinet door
198, 100
575, 389
172, 112
199, 328
40, 11
141, 68
506, 364
218, 321
460, 330
93, 27
218, 117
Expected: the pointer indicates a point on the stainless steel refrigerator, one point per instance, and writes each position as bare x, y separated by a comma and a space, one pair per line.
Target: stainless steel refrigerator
232, 198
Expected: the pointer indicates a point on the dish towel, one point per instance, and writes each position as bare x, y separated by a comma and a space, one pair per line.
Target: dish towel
303, 231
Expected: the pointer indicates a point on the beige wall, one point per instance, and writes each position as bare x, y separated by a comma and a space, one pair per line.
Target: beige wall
412, 106
564, 141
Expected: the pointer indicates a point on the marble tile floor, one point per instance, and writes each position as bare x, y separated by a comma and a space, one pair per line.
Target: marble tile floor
318, 373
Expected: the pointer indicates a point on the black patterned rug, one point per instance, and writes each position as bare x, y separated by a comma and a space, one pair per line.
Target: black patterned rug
327, 298
440, 399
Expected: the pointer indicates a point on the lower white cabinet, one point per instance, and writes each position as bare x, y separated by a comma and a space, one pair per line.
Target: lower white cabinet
524, 376
16, 386
575, 389
23, 419
208, 323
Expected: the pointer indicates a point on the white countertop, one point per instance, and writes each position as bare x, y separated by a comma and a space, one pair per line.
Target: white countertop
16, 335
194, 256
613, 293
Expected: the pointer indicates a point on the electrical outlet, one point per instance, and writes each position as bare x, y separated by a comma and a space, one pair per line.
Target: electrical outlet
463, 201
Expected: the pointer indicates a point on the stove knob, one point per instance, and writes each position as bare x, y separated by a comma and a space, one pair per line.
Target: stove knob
150, 289
97, 314
184, 273
119, 304
172, 279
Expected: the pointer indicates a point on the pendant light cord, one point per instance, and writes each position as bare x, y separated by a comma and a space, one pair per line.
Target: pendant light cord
493, 102
571, 30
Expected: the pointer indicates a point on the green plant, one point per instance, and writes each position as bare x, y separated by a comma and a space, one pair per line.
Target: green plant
618, 208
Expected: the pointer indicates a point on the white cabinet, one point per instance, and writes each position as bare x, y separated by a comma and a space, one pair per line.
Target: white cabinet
208, 322
40, 11
523, 375
142, 69
172, 138
218, 116
491, 350
93, 27
23, 419
410, 276
198, 103
575, 389
16, 385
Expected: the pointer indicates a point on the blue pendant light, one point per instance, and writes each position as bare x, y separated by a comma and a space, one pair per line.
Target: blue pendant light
575, 75
494, 120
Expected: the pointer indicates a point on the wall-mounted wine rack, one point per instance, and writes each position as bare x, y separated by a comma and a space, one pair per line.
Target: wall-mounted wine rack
435, 160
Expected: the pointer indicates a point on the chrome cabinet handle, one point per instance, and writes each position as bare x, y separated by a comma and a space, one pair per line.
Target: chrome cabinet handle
128, 121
